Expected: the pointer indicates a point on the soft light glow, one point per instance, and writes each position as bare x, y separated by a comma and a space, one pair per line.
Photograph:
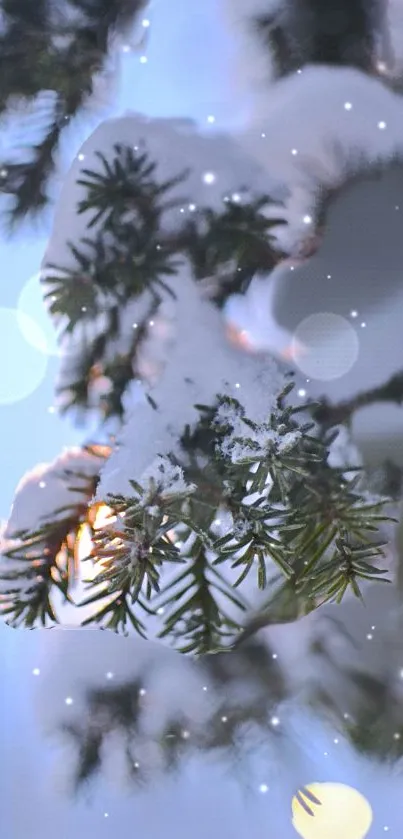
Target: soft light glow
238, 338
331, 811
382, 125
348, 106
209, 177
99, 517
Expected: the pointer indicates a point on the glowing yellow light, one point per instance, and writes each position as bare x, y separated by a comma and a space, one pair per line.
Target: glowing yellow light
99, 516
331, 811
104, 515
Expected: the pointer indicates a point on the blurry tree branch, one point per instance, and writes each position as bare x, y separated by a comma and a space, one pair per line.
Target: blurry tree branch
328, 415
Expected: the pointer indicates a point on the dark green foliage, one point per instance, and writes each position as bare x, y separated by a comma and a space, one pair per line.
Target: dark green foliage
290, 511
304, 32
47, 558
293, 516
58, 46
128, 255
231, 246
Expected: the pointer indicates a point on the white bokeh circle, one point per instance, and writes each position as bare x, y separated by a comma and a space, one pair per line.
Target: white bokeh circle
31, 303
23, 353
325, 346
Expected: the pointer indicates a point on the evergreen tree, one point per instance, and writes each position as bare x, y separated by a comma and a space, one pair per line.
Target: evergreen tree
239, 495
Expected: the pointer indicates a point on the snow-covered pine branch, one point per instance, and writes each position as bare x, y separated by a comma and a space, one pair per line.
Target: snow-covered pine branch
317, 129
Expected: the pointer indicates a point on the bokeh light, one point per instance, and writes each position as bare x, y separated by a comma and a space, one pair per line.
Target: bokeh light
325, 346
331, 811
23, 350
31, 303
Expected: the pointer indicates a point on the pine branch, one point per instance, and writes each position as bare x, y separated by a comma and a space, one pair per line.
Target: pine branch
196, 621
121, 709
328, 415
371, 713
309, 32
34, 563
309, 522
232, 246
51, 46
131, 254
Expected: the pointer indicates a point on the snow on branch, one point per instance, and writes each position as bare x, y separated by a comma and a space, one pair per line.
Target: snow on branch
202, 364
314, 131
47, 491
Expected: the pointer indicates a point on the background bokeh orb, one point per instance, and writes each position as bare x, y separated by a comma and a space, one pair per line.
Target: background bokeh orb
23, 353
31, 303
340, 812
325, 346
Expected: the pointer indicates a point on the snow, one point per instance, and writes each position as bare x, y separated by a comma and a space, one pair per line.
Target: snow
175, 145
165, 477
49, 487
254, 68
218, 168
189, 379
338, 120
241, 442
72, 662
393, 39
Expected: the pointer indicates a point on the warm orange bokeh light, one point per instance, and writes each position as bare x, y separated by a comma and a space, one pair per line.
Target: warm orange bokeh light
99, 516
